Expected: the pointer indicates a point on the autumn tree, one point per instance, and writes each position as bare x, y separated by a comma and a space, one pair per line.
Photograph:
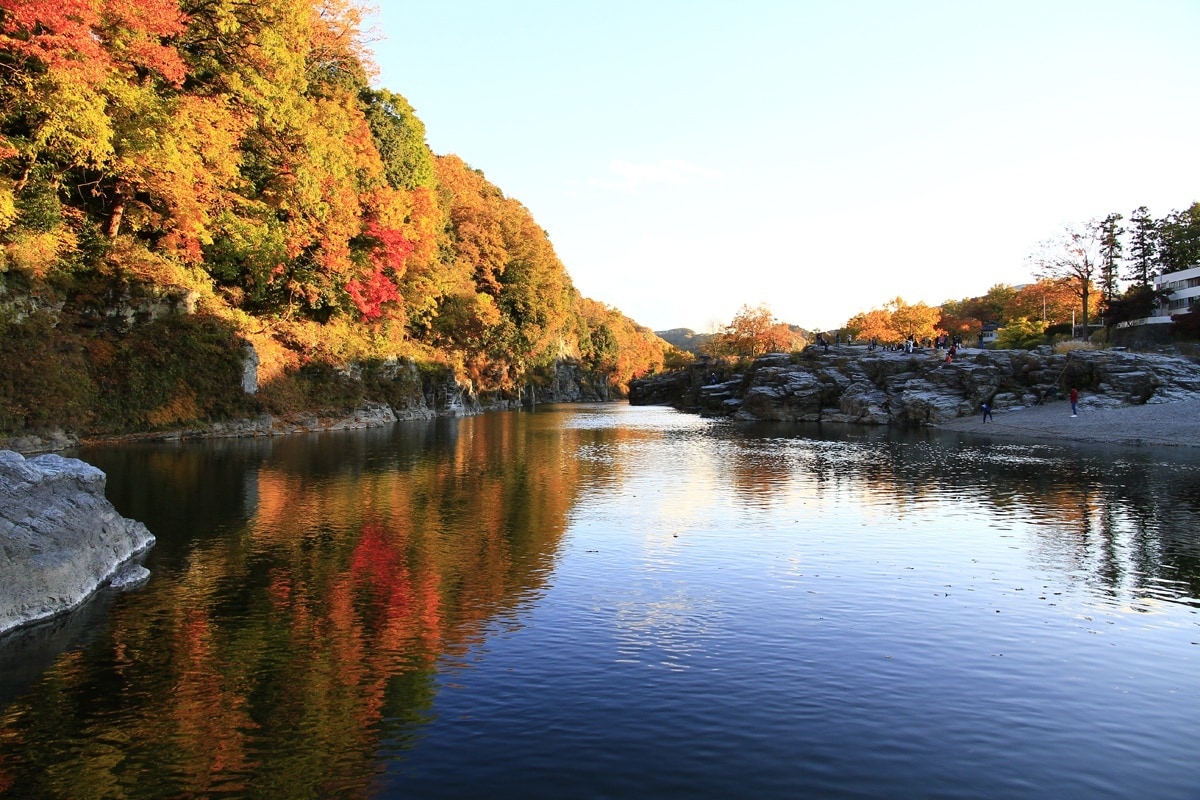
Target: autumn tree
235, 152
1072, 259
997, 304
917, 321
1048, 300
614, 345
954, 322
752, 332
496, 250
873, 325
896, 322
535, 292
87, 87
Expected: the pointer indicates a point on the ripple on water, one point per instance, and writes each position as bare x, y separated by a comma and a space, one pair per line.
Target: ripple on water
607, 601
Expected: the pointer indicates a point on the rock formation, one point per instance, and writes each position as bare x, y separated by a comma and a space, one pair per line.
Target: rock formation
848, 383
60, 539
409, 395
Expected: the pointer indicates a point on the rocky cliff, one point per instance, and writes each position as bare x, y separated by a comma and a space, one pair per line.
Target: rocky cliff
409, 395
849, 383
60, 539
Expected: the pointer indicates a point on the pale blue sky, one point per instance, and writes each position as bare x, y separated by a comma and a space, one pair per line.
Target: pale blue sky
687, 158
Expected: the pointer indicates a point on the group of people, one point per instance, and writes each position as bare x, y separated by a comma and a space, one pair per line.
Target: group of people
911, 343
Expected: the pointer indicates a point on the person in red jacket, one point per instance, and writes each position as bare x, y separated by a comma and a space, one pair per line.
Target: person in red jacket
1074, 401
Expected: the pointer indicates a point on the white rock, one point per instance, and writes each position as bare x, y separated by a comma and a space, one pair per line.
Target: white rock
60, 538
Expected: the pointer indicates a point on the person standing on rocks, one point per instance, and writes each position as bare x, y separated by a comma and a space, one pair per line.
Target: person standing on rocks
1074, 402
987, 412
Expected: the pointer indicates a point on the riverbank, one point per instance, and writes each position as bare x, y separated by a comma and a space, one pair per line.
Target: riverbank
1175, 423
568, 383
852, 384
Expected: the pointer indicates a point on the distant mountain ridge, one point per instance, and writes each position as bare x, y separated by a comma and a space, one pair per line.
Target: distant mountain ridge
684, 339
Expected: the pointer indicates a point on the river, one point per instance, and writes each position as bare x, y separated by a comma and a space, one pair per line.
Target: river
615, 601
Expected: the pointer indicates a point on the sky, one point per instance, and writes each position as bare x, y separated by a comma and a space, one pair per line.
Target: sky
689, 157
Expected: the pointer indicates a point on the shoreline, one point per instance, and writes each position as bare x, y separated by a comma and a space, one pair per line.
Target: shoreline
1174, 423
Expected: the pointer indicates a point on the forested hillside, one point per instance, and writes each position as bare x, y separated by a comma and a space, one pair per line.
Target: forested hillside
178, 179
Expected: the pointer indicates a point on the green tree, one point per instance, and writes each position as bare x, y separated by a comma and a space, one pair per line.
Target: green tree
400, 139
1143, 247
1179, 246
1137, 302
1110, 255
1021, 334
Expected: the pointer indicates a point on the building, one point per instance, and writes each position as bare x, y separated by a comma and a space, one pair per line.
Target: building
1184, 288
989, 333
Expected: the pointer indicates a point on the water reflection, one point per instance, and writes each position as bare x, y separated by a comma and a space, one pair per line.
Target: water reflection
304, 590
1120, 519
314, 598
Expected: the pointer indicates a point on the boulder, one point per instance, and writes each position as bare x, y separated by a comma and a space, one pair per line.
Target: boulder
60, 539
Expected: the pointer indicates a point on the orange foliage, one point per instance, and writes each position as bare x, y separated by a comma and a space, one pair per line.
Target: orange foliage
752, 332
83, 39
58, 33
244, 139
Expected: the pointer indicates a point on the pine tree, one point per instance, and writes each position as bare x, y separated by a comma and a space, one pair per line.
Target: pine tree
1110, 255
1143, 247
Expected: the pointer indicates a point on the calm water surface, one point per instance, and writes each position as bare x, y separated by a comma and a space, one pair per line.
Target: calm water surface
606, 601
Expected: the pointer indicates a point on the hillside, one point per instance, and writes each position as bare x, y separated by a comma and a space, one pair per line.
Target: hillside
684, 339
184, 187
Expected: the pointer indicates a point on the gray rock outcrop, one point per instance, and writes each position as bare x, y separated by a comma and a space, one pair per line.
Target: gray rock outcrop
852, 384
60, 539
250, 364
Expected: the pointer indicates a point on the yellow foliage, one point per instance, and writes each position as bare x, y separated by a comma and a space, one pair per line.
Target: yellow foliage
8, 206
895, 322
38, 253
181, 408
274, 360
134, 260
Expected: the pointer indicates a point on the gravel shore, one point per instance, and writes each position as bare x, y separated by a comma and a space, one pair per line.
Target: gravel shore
1174, 423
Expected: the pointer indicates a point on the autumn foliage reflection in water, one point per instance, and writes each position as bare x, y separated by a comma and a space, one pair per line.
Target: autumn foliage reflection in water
318, 621
512, 592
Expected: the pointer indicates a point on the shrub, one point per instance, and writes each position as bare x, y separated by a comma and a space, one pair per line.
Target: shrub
176, 370
44, 381
1072, 344
1021, 334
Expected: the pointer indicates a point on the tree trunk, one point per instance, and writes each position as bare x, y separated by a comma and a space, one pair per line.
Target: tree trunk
114, 219
1085, 311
